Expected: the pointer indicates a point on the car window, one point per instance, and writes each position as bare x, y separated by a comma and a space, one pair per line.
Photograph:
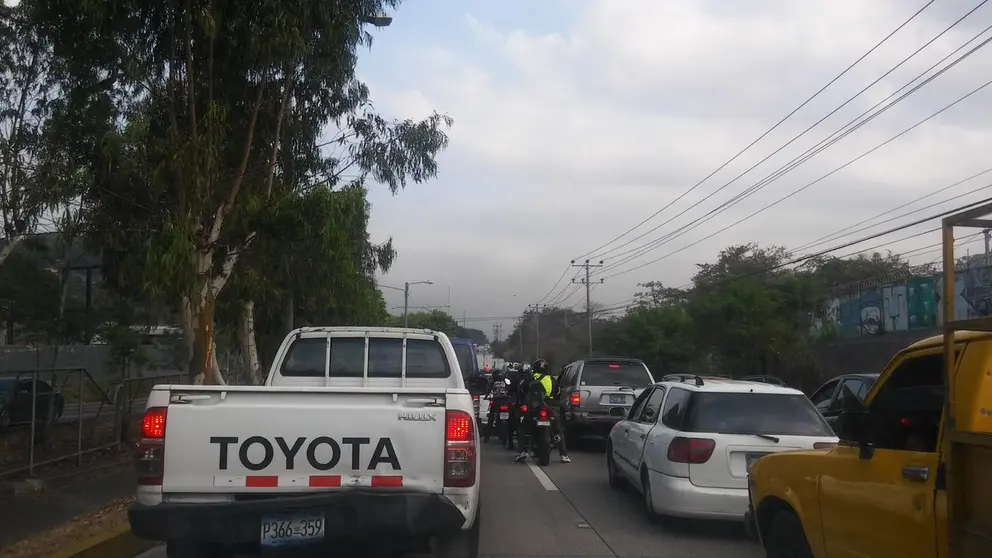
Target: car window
863, 389
907, 409
568, 377
784, 414
847, 398
635, 409
632, 374
673, 412
649, 414
307, 357
823, 395
465, 358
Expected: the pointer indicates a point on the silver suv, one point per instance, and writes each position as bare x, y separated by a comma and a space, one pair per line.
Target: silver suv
596, 393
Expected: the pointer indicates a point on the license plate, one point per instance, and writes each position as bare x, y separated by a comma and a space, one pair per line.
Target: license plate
544, 423
618, 399
504, 416
750, 458
284, 530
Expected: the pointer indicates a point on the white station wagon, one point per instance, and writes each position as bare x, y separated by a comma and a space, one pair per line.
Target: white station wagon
688, 445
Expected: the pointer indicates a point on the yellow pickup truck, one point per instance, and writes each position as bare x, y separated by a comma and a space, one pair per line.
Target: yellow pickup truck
884, 491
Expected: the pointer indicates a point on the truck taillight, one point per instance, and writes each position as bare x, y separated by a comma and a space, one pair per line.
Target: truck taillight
459, 449
575, 399
150, 452
690, 450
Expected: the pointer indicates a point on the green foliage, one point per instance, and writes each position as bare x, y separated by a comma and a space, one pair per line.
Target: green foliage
739, 316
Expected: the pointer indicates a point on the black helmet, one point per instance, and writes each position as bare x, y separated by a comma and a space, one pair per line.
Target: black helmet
541, 366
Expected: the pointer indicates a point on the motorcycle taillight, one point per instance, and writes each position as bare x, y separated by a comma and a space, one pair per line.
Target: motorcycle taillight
543, 414
504, 408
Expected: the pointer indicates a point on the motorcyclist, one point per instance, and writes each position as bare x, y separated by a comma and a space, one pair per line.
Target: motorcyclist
539, 381
499, 394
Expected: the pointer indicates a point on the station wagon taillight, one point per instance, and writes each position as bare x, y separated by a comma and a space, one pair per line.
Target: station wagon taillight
459, 449
575, 399
149, 461
690, 450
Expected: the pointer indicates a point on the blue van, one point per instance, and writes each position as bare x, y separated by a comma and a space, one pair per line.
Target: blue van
468, 359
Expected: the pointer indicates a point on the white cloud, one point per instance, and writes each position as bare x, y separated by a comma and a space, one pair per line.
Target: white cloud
562, 141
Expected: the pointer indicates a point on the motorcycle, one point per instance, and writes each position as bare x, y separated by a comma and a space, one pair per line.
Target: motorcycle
499, 422
543, 441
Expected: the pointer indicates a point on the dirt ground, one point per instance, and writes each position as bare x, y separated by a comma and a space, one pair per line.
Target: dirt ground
109, 517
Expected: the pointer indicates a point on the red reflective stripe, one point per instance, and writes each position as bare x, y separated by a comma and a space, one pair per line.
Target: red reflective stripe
387, 481
325, 481
262, 481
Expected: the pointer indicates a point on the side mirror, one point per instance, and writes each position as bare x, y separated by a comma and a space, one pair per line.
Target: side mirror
855, 427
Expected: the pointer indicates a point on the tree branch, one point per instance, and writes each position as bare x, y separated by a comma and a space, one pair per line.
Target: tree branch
286, 95
227, 267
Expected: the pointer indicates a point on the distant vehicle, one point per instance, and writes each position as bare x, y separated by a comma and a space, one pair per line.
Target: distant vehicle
596, 393
15, 402
688, 446
352, 422
843, 393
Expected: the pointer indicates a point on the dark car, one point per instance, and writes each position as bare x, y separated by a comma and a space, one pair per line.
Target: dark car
843, 393
15, 402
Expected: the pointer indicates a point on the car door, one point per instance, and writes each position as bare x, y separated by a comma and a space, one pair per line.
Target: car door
881, 502
623, 448
823, 398
641, 425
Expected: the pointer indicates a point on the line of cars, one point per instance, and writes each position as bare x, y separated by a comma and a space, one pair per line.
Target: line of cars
688, 442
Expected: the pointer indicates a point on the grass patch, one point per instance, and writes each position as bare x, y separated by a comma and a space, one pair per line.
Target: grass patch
108, 518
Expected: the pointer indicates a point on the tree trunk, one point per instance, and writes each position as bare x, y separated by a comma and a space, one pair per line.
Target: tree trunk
198, 324
246, 338
8, 248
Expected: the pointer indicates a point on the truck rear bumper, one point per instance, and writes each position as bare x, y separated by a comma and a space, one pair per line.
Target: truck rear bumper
351, 514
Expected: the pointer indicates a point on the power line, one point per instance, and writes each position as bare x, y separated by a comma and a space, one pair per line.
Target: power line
810, 153
762, 136
790, 142
794, 192
562, 276
836, 234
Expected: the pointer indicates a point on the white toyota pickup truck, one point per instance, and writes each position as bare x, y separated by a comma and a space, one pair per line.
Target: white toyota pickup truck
358, 434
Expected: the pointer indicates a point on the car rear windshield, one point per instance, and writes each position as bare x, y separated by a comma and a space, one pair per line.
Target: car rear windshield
632, 374
465, 357
308, 357
754, 413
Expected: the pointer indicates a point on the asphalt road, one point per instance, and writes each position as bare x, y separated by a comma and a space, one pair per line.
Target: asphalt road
569, 510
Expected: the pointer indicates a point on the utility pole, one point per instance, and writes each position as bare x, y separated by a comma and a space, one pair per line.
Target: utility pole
520, 336
588, 266
406, 299
537, 328
988, 254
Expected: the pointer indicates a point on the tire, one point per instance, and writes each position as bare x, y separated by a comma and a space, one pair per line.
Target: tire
461, 544
190, 548
543, 449
612, 471
786, 538
646, 491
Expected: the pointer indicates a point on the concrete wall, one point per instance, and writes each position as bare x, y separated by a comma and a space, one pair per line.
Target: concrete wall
865, 354
904, 305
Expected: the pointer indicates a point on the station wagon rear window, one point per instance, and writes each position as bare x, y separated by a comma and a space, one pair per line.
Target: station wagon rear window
632, 374
308, 357
754, 413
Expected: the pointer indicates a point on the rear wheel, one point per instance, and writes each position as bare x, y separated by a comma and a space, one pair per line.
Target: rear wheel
461, 544
648, 498
612, 471
786, 537
543, 449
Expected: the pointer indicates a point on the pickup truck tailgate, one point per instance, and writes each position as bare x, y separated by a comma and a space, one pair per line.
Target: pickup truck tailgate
265, 439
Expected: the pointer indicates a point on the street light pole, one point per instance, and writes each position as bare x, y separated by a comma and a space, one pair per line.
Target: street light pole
379, 20
406, 299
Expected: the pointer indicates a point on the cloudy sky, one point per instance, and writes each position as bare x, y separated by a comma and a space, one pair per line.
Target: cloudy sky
575, 120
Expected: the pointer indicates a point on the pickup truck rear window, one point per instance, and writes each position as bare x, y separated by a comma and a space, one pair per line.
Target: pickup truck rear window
307, 357
631, 374
754, 413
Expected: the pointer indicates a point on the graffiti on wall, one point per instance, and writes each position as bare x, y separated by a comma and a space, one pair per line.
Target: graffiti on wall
908, 305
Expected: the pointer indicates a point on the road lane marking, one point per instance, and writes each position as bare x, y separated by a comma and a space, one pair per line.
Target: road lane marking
542, 477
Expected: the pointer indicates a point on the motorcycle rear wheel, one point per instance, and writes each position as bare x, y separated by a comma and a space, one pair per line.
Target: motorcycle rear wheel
543, 449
